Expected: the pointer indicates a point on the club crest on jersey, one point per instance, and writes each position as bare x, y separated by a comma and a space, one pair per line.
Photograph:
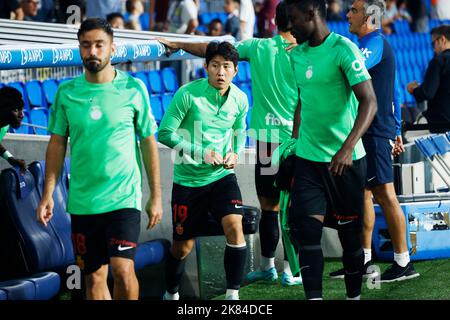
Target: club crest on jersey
95, 112
309, 72
179, 229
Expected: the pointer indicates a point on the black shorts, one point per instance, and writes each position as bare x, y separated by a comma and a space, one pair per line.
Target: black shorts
98, 237
265, 173
317, 192
379, 160
191, 206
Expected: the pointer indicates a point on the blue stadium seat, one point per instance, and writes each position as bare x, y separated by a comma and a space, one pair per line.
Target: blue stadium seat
151, 252
169, 78
242, 75
155, 82
35, 94
205, 18
46, 285
18, 289
33, 247
166, 100
200, 73
155, 103
142, 75
247, 89
49, 87
1, 85
3, 294
39, 116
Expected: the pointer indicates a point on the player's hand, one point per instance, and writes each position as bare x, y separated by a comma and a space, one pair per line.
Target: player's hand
154, 211
341, 161
170, 46
18, 163
230, 160
214, 158
45, 210
411, 86
398, 147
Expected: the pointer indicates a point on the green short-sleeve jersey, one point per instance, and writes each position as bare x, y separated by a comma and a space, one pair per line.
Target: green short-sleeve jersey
275, 94
197, 119
3, 132
103, 122
325, 75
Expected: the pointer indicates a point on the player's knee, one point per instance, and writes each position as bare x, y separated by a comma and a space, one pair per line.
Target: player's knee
308, 231
385, 196
122, 271
180, 251
269, 204
350, 239
233, 232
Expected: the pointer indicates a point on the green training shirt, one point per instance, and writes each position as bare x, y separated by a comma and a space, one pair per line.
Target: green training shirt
325, 75
198, 119
275, 94
102, 121
3, 132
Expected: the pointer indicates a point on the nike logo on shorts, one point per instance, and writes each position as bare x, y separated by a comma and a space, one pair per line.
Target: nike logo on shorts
344, 222
238, 207
120, 248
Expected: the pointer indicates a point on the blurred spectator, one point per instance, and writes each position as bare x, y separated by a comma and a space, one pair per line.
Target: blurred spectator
247, 18
29, 9
46, 11
101, 8
158, 14
133, 16
266, 19
443, 9
10, 9
392, 14
183, 16
436, 84
232, 25
215, 28
419, 15
116, 20
334, 11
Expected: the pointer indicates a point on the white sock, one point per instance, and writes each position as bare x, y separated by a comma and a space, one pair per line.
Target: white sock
232, 294
367, 255
170, 296
355, 298
267, 263
316, 299
402, 259
287, 268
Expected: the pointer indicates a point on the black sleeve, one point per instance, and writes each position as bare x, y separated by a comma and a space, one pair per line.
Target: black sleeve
428, 88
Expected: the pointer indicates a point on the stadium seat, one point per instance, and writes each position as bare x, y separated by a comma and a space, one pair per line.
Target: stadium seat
39, 117
155, 103
166, 100
242, 75
49, 87
18, 290
33, 247
169, 78
155, 82
142, 75
41, 286
35, 94
200, 73
247, 89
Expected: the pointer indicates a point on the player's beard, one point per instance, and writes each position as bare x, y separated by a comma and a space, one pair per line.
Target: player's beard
94, 65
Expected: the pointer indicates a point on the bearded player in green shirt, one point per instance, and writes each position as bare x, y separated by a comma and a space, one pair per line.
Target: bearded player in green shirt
274, 119
102, 111
205, 124
337, 106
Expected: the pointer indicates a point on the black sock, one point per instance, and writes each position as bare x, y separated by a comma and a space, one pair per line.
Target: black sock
353, 260
309, 234
234, 262
174, 272
269, 234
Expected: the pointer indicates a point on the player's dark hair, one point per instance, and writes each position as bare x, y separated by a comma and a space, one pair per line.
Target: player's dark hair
281, 17
224, 49
442, 30
10, 98
303, 5
94, 24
